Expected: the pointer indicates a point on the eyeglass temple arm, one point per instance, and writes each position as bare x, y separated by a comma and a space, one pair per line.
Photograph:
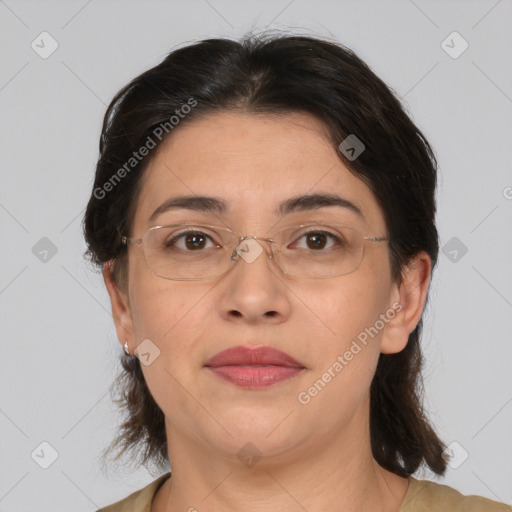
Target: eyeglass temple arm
130, 241
375, 238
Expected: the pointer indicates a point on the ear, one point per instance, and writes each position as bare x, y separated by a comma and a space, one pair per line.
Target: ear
121, 311
408, 301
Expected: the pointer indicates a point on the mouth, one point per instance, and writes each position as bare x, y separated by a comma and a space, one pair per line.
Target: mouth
254, 368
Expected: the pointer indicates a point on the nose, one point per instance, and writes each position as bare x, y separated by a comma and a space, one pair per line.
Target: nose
254, 291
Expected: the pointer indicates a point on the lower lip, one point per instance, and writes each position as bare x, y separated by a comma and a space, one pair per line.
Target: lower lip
255, 377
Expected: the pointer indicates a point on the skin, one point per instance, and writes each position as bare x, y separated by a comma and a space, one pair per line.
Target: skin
317, 456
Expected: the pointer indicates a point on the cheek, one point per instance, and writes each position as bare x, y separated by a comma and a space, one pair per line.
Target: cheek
351, 308
351, 305
344, 361
165, 312
156, 304
172, 316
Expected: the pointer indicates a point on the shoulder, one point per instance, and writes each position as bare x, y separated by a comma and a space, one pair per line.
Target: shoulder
423, 496
138, 501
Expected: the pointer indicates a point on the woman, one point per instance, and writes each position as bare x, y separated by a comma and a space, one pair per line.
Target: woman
264, 216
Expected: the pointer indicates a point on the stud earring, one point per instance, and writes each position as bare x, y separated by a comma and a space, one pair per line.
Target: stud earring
126, 349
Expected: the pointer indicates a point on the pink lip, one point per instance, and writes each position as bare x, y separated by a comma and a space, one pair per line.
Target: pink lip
254, 368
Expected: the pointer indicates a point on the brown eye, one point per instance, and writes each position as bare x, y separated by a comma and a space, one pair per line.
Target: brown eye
195, 241
317, 240
190, 241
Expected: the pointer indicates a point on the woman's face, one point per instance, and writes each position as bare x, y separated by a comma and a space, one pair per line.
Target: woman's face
253, 164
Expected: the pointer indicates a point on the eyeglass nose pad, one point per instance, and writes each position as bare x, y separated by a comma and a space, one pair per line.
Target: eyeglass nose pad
249, 249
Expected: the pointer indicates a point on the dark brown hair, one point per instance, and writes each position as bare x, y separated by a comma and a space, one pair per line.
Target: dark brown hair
273, 74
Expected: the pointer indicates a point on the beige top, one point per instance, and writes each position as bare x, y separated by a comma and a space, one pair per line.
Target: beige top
421, 496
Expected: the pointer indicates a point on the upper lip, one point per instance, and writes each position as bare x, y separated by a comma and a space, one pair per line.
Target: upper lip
252, 356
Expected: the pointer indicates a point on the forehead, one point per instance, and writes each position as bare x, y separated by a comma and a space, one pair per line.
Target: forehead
253, 163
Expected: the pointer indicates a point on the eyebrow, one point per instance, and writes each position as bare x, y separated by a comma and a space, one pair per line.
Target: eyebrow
302, 203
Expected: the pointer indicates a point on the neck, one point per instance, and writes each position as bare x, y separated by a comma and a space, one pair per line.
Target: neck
325, 472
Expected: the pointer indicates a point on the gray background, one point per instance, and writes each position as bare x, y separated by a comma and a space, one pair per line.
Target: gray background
58, 344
